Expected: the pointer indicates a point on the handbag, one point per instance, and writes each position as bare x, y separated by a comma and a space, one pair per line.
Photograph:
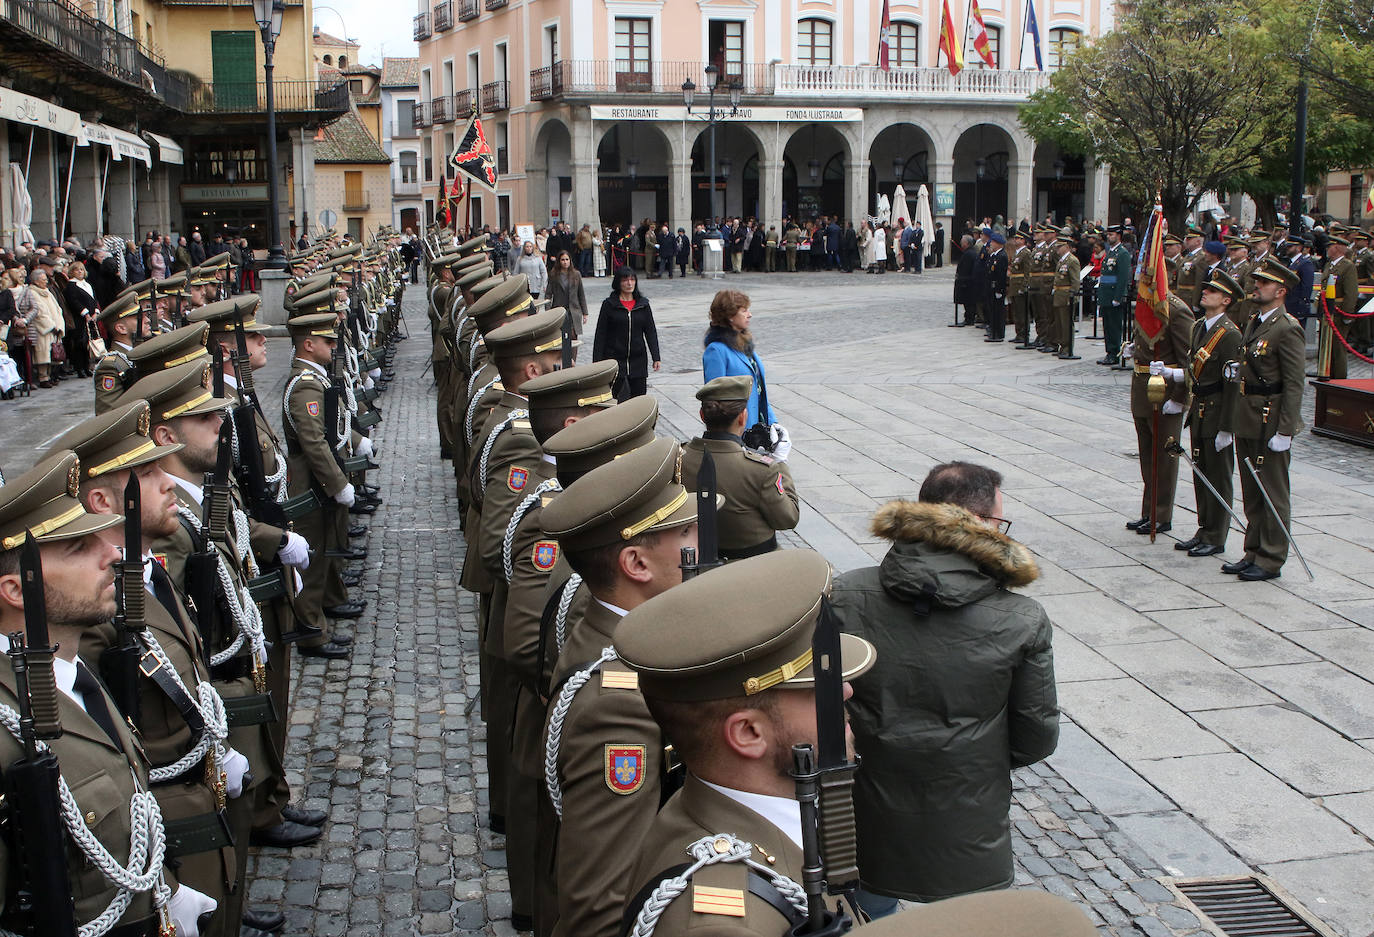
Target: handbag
95, 345
59, 352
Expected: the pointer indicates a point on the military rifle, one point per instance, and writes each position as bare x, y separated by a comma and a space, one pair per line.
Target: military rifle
119, 662
707, 554
825, 791
202, 565
32, 784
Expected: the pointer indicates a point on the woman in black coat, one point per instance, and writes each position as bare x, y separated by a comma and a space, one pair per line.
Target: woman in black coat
626, 333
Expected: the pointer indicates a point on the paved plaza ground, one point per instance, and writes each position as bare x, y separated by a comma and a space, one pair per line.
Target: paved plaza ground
1211, 727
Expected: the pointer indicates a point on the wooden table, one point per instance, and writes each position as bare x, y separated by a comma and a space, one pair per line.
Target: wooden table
1345, 410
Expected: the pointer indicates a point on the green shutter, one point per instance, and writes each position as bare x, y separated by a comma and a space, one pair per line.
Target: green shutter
234, 60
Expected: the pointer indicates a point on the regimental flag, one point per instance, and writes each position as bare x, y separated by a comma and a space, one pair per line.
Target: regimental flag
884, 36
1369, 203
949, 44
980, 34
473, 156
455, 198
1031, 33
1152, 280
445, 209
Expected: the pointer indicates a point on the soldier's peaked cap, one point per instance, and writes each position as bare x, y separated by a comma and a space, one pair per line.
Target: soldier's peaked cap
1223, 282
1277, 272
533, 335
169, 349
692, 643
180, 391
44, 501
505, 299
583, 385
318, 325
114, 440
603, 436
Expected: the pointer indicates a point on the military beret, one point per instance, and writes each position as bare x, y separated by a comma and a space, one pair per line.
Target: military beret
114, 440
121, 307
170, 349
532, 335
1215, 247
43, 501
180, 391
504, 300
223, 316
315, 325
1277, 272
997, 238
638, 493
728, 387
583, 385
475, 275
1223, 282
602, 436
738, 631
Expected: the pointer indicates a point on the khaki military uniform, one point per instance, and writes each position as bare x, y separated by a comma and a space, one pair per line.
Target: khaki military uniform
109, 375
1342, 291
1171, 347
1270, 377
1174, 264
1018, 286
1192, 272
760, 498
609, 753
1240, 312
1212, 411
718, 900
1040, 286
103, 778
445, 375
1065, 288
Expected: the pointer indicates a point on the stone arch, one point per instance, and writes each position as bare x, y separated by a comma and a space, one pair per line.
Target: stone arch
742, 193
548, 169
912, 145
635, 179
985, 159
809, 151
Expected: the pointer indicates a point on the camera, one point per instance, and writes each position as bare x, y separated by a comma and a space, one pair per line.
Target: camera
759, 436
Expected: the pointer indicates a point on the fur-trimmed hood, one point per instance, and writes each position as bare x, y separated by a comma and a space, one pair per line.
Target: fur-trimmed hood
946, 554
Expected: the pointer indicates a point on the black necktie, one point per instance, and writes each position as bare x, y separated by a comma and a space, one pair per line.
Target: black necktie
165, 592
94, 698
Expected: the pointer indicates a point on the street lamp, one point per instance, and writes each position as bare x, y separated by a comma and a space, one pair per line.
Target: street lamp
689, 93
1059, 168
726, 164
980, 166
632, 167
898, 168
268, 14
813, 166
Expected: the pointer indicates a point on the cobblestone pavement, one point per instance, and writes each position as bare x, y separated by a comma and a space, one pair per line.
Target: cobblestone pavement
388, 745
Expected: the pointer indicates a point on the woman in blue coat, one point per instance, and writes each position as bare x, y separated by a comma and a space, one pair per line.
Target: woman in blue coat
730, 351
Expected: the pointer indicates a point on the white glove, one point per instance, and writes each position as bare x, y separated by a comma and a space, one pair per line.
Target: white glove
1157, 368
345, 497
185, 908
234, 768
375, 373
1128, 350
364, 447
295, 552
1223, 440
368, 383
1280, 443
1175, 374
782, 442
1171, 407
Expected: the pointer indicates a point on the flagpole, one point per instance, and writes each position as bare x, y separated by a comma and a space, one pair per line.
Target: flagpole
968, 14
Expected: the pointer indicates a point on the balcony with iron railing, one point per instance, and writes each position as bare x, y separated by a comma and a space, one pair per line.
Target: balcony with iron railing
496, 4
443, 15
400, 189
250, 97
495, 97
61, 26
356, 203
468, 9
422, 27
464, 103
419, 114
441, 109
815, 84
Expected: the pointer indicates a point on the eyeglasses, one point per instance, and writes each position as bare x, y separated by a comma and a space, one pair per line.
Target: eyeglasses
1003, 525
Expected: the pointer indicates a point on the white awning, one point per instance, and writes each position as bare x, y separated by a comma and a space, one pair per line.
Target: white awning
92, 132
167, 150
127, 144
23, 108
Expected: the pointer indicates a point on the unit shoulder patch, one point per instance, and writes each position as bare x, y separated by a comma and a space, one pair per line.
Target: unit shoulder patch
107, 382
313, 407
545, 555
517, 478
777, 483
624, 768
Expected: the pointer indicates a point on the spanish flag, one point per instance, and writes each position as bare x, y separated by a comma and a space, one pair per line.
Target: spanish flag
1152, 280
949, 43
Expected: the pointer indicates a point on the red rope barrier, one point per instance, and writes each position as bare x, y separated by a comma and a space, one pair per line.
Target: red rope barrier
1330, 322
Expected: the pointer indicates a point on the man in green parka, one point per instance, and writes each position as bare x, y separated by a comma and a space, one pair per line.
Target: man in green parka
962, 694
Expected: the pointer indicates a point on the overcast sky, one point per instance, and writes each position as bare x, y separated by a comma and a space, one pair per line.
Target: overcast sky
381, 28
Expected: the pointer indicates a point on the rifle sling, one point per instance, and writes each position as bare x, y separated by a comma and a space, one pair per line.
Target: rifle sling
251, 710
268, 586
166, 681
203, 832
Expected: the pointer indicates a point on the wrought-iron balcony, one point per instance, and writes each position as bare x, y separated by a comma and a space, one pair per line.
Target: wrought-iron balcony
495, 97
420, 114
468, 9
464, 103
440, 109
422, 27
443, 16
250, 97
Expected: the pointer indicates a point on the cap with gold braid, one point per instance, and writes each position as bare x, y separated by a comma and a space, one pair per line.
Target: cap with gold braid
583, 385
121, 307
169, 349
318, 299
505, 298
115, 440
1223, 282
603, 436
728, 387
180, 391
471, 245
320, 325
697, 641
470, 261
475, 275
44, 501
638, 493
533, 335
223, 316
140, 290
173, 285
1277, 272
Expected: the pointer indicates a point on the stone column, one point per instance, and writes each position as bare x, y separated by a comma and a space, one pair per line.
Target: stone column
680, 194
119, 189
154, 199
1020, 190
1096, 198
44, 190
855, 187
942, 174
770, 193
586, 206
84, 208
303, 176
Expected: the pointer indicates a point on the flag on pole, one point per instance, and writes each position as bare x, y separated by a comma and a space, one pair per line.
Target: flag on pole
445, 214
980, 38
954, 53
1031, 33
884, 32
473, 156
455, 198
1369, 202
1152, 279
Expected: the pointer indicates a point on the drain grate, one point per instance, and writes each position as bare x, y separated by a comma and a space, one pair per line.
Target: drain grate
1248, 906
